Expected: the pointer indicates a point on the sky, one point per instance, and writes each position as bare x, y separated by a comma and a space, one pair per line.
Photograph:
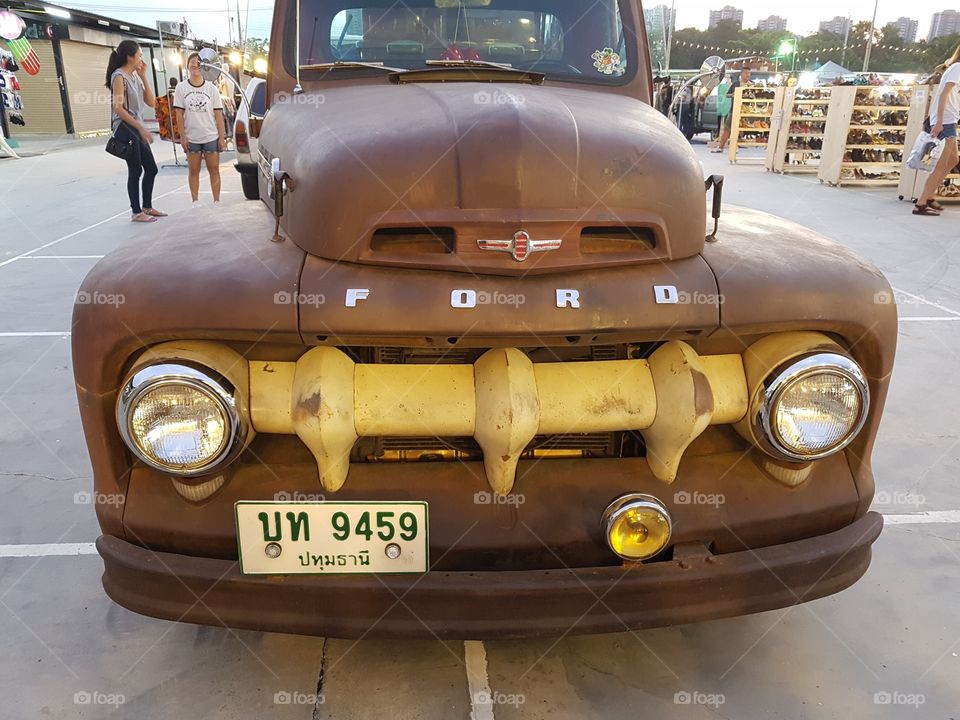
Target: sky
208, 18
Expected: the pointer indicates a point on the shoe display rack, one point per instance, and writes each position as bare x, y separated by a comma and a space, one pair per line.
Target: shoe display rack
798, 146
755, 117
866, 134
912, 181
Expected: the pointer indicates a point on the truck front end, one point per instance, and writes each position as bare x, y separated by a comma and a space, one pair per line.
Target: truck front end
488, 380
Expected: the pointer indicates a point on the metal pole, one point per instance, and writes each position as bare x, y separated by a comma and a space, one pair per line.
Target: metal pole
873, 23
229, 24
239, 26
670, 33
846, 39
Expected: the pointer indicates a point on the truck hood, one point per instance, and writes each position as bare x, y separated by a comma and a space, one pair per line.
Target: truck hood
606, 175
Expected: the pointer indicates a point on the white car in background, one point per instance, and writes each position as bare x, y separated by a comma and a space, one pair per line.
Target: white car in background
256, 95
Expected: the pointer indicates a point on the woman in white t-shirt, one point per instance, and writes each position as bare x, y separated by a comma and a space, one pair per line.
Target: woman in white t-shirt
199, 111
942, 124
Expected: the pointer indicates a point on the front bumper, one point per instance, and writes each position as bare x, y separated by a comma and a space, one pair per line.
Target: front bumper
489, 604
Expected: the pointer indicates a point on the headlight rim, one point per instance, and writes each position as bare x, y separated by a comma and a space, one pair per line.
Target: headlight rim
794, 370
198, 377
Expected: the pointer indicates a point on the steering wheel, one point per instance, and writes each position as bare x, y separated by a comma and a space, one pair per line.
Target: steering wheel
545, 66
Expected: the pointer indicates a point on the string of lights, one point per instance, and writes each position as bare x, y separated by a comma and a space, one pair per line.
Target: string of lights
816, 51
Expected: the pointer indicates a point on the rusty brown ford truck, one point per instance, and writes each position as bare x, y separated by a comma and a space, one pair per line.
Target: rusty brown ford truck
472, 367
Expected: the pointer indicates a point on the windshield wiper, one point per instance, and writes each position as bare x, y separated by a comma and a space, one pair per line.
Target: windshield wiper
351, 65
478, 69
472, 63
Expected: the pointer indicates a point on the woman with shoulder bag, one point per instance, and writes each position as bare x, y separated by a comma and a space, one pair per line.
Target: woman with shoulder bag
130, 92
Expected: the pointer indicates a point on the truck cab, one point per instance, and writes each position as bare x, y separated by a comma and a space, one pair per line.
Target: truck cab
477, 366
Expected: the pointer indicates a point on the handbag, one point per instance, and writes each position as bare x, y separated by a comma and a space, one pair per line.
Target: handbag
926, 153
121, 148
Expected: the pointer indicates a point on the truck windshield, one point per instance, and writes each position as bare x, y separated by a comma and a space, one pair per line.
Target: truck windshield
565, 39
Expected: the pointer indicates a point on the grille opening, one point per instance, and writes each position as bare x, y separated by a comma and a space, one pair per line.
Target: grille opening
456, 354
616, 240
414, 241
446, 449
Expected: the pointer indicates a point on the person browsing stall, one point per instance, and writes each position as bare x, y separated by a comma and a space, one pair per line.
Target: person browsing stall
199, 111
725, 102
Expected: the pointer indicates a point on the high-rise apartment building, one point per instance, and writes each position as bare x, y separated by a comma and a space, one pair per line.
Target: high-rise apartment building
945, 22
906, 29
774, 23
837, 26
729, 12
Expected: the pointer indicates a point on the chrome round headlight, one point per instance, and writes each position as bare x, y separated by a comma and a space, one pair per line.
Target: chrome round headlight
180, 418
814, 406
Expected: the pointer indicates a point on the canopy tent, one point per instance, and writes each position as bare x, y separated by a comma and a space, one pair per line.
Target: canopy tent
830, 71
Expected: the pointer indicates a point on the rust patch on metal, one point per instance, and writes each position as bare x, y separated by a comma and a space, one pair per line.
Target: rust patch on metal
308, 407
702, 394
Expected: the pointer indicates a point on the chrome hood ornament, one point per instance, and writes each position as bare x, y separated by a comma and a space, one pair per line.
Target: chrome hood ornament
521, 246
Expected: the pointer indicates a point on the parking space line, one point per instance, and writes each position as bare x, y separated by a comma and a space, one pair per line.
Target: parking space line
949, 517
938, 306
29, 253
478, 684
52, 549
63, 257
35, 334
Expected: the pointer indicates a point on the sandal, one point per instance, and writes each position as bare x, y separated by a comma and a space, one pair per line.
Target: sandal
934, 205
143, 218
154, 213
925, 210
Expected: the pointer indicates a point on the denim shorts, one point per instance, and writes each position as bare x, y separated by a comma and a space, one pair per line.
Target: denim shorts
949, 131
204, 148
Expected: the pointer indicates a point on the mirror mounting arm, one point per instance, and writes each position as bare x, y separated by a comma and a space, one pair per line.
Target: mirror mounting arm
715, 182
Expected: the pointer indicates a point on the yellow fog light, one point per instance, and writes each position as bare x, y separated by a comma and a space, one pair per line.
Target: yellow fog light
637, 526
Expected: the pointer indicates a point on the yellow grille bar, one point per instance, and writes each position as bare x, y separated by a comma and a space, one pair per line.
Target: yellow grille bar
503, 401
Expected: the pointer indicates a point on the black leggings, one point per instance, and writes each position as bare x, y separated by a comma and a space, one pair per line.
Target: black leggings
141, 162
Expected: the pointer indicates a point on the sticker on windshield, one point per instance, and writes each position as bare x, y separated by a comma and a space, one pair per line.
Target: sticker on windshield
608, 62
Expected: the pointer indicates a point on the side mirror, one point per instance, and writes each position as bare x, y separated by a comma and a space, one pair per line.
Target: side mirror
210, 64
713, 70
